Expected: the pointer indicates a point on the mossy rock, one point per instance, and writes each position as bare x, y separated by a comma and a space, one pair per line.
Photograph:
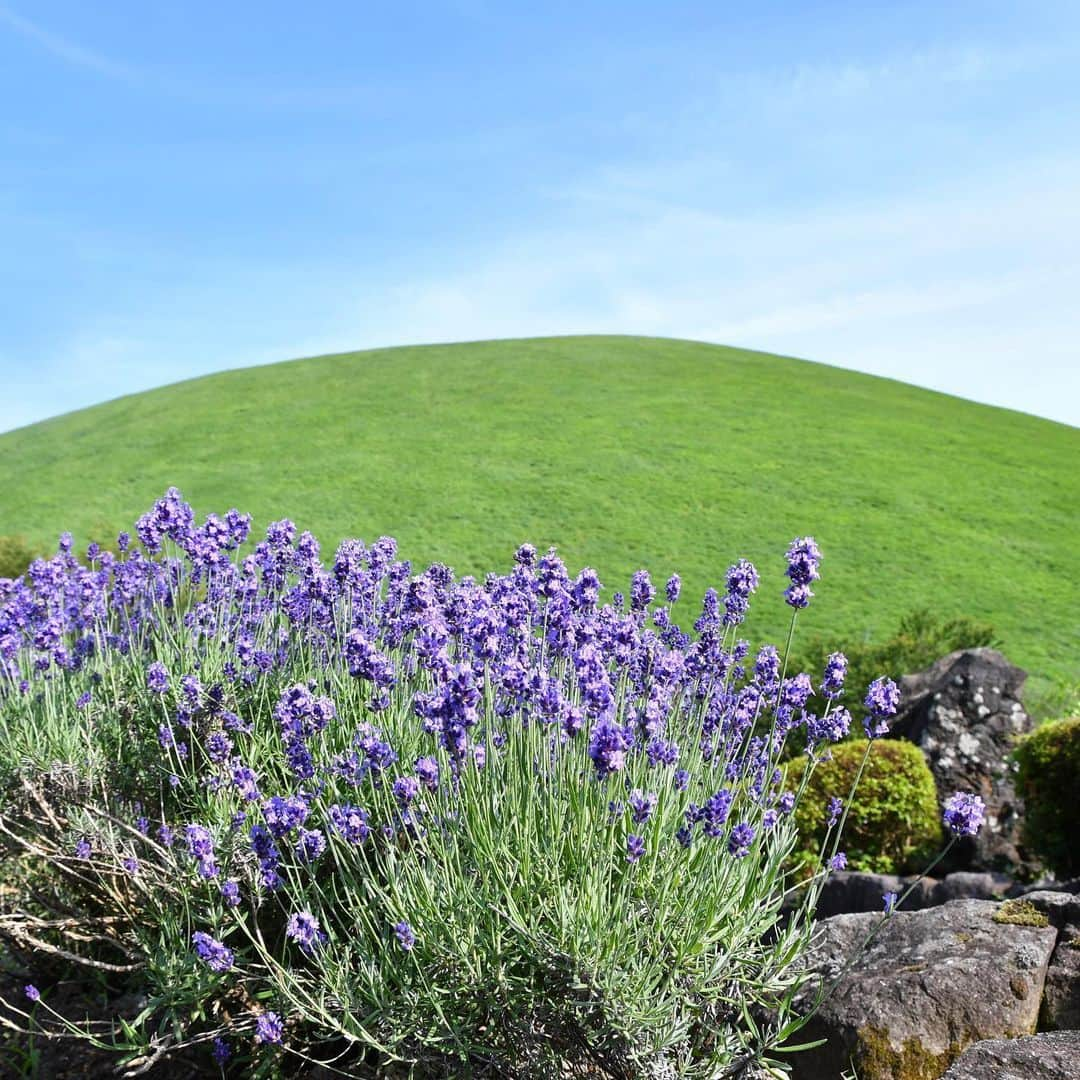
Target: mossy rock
876, 1058
1048, 780
893, 825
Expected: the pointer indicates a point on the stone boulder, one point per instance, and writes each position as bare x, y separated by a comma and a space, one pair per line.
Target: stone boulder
1053, 1056
965, 713
1061, 994
846, 892
849, 891
931, 983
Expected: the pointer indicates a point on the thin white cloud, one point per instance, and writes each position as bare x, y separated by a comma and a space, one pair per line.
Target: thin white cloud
64, 49
937, 290
241, 95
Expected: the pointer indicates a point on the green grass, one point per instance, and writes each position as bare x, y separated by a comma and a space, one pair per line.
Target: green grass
625, 452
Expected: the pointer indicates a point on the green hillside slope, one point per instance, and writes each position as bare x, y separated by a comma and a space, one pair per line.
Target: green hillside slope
625, 452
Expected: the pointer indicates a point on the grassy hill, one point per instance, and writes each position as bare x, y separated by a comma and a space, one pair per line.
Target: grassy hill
625, 452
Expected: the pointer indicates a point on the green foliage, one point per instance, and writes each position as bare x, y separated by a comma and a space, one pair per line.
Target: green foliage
626, 452
921, 638
1048, 781
16, 554
893, 824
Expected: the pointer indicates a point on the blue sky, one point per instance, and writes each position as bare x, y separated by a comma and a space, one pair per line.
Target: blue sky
189, 187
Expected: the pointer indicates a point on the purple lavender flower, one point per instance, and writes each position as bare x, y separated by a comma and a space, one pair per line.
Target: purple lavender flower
268, 1028
304, 929
662, 752
366, 662
221, 1051
230, 893
246, 783
192, 689
767, 668
798, 596
157, 678
742, 836
427, 772
882, 700
803, 558
405, 789
796, 691
83, 849
889, 899
218, 746
635, 848
834, 810
32, 992
742, 578
673, 588
266, 851
607, 748
404, 933
301, 714
714, 814
742, 581
832, 727
586, 590
213, 953
199, 841
350, 822
284, 813
642, 592
642, 804
832, 682
310, 845
963, 814
838, 861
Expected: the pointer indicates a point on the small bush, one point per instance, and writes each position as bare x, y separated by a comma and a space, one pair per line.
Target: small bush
1048, 782
921, 638
16, 554
893, 824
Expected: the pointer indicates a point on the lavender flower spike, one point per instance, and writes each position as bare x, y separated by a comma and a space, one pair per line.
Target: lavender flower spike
963, 814
882, 701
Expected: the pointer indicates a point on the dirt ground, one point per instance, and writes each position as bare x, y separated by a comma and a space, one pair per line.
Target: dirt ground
39, 1058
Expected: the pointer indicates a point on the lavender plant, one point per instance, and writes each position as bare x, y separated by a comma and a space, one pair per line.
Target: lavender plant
347, 812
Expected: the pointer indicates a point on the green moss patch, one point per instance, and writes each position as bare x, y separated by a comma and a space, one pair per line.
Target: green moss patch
1020, 913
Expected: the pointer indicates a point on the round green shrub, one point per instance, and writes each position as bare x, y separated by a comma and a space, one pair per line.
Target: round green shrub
1048, 781
16, 554
893, 826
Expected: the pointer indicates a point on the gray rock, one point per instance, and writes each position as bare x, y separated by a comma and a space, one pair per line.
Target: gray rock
931, 983
1061, 994
850, 891
1053, 1056
965, 714
967, 885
